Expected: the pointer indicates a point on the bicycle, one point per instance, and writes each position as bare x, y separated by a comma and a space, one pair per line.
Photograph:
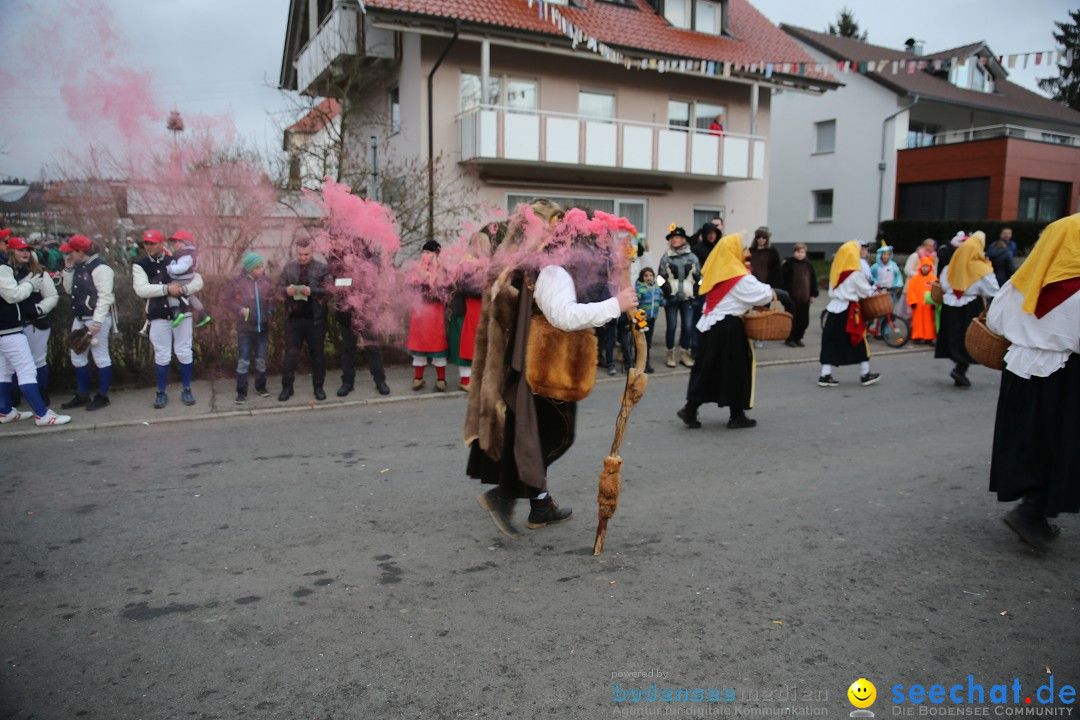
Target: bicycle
891, 329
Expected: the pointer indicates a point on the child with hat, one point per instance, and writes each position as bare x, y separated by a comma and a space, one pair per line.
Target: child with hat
249, 296
181, 271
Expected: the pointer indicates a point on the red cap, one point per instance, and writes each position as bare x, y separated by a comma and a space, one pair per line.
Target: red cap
183, 236
5, 233
77, 242
153, 236
17, 243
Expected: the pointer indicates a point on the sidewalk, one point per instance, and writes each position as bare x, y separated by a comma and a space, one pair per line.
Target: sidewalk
214, 398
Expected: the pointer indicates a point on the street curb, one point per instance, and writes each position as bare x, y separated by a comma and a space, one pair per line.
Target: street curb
336, 404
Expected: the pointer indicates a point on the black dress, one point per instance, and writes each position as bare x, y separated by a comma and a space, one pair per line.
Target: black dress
1035, 439
723, 369
953, 330
836, 347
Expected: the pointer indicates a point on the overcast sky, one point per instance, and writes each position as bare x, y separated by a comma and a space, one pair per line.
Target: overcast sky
219, 57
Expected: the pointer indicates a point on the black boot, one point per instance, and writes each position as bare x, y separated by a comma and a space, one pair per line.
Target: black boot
739, 420
320, 394
1029, 522
547, 512
345, 389
286, 393
688, 414
382, 387
97, 402
501, 509
78, 401
959, 375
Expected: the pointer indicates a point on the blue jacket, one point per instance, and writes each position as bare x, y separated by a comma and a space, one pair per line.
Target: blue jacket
245, 291
650, 299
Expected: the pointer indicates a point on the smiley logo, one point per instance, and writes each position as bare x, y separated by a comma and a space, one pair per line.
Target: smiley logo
862, 693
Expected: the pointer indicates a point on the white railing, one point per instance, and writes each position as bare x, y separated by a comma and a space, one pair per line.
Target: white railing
338, 35
490, 132
987, 132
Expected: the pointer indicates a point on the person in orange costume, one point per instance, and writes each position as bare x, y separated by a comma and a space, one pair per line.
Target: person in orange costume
922, 308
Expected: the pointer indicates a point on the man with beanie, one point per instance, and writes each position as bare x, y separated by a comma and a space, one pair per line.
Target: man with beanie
304, 283
249, 298
89, 281
150, 279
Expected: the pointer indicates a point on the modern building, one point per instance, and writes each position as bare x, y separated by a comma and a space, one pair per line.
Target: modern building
938, 136
604, 103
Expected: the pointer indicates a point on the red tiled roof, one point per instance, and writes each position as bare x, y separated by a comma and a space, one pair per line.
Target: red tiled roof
1007, 97
317, 118
628, 29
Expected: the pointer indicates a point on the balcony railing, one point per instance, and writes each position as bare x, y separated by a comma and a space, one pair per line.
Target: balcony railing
345, 32
993, 131
511, 135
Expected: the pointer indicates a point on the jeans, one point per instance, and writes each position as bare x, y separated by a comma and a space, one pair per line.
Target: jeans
297, 332
605, 337
248, 342
372, 351
674, 310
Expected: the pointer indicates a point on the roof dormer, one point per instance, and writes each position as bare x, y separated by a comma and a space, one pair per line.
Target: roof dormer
704, 16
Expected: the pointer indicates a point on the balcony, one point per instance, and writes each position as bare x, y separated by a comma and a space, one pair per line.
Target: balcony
989, 132
345, 40
490, 134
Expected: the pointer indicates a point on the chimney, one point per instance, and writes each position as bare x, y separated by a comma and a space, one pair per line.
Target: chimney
913, 46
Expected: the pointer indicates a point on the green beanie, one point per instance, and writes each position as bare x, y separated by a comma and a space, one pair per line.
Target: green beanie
252, 260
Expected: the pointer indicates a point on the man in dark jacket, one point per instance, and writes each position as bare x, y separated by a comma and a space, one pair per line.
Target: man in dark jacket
249, 297
1002, 260
305, 286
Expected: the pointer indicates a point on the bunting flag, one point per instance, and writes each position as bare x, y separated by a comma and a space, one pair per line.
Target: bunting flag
769, 69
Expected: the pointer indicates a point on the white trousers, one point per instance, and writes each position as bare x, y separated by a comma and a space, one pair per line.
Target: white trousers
39, 343
15, 358
99, 351
422, 361
167, 339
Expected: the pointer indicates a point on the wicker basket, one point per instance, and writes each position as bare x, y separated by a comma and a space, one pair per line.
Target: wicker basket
876, 306
984, 345
937, 294
771, 324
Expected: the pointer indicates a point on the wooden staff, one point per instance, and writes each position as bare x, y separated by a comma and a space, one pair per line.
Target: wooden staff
611, 476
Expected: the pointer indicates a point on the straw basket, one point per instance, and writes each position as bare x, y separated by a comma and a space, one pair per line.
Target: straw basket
771, 324
984, 345
937, 294
876, 306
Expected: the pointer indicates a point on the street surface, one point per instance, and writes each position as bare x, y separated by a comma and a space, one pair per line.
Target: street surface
336, 564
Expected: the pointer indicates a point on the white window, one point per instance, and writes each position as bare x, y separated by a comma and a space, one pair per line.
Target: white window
678, 114
596, 104
703, 215
520, 94
394, 101
705, 113
708, 17
822, 205
677, 12
982, 80
636, 211
470, 91
825, 136
960, 75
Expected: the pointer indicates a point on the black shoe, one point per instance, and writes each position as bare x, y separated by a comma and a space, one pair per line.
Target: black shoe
611, 370
241, 396
689, 416
97, 402
319, 393
261, 391
737, 423
959, 378
382, 387
1031, 527
827, 381
648, 369
791, 343
186, 397
547, 512
285, 394
869, 379
160, 400
345, 389
800, 343
78, 401
501, 509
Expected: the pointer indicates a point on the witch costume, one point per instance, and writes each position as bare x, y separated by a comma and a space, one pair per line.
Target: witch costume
1036, 456
967, 277
843, 340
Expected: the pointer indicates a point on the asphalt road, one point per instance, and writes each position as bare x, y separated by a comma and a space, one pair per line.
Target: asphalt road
337, 565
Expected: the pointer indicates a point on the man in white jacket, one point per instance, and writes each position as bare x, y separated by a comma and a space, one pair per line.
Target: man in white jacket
89, 281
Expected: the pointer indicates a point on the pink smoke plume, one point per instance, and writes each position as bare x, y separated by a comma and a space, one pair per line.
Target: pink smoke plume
360, 239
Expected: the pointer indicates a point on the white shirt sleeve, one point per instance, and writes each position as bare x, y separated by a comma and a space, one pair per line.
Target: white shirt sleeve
194, 285
12, 291
49, 296
557, 299
68, 279
143, 287
103, 276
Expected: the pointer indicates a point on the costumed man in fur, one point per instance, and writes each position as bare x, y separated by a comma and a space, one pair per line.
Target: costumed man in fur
724, 371
1036, 457
513, 431
843, 341
967, 277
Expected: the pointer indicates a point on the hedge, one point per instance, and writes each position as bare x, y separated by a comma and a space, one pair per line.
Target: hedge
905, 235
